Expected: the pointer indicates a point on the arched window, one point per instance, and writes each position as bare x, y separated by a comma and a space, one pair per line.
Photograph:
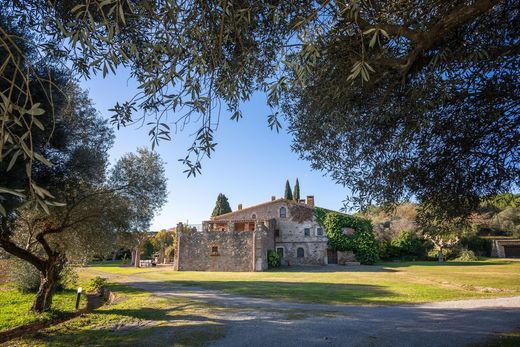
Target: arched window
253, 216
283, 212
300, 253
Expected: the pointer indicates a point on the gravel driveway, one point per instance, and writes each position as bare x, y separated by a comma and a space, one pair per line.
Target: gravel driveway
266, 322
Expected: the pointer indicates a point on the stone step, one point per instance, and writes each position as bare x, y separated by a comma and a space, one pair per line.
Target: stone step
352, 263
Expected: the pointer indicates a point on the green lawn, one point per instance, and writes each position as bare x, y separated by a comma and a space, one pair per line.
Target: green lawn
138, 318
386, 283
134, 319
15, 307
511, 339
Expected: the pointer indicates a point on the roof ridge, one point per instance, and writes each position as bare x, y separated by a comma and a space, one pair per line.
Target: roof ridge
262, 204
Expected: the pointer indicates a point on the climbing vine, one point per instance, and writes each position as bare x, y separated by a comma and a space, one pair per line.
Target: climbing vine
362, 242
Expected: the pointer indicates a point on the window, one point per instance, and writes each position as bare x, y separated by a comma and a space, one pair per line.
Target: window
307, 232
300, 253
348, 231
277, 233
279, 250
214, 250
319, 231
283, 212
253, 216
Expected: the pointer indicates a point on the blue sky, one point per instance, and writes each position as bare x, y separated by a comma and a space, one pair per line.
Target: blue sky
251, 162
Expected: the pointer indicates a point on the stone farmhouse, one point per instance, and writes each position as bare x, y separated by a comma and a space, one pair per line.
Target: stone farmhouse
240, 240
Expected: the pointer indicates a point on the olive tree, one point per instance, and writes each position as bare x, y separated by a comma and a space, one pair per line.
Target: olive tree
397, 99
164, 242
47, 237
140, 178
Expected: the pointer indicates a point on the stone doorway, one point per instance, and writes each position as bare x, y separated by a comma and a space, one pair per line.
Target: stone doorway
332, 256
512, 251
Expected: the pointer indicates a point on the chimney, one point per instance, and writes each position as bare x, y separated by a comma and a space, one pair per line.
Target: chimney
239, 207
273, 198
310, 200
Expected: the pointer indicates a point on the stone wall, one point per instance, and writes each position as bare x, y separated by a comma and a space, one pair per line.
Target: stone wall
314, 253
290, 230
236, 250
295, 229
498, 246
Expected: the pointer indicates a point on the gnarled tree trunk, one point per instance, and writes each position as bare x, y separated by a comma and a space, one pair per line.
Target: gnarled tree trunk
49, 279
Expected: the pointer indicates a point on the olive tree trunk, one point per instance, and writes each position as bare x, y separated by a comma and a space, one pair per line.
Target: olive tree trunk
49, 279
137, 256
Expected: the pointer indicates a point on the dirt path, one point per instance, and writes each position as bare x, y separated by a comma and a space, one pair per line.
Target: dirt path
264, 322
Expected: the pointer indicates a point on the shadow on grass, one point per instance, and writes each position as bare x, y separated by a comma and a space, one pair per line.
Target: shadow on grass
444, 264
399, 326
331, 268
303, 292
154, 314
132, 335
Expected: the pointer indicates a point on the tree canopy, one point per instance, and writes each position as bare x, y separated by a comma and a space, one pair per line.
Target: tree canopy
394, 99
90, 214
288, 192
221, 206
140, 178
296, 192
437, 116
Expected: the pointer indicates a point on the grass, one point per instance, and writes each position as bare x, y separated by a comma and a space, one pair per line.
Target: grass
511, 339
136, 318
15, 307
386, 283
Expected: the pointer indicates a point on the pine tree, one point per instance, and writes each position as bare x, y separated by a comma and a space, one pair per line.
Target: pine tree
288, 192
221, 206
296, 191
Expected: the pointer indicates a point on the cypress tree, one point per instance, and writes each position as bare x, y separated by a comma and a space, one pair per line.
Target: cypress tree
288, 192
221, 206
296, 191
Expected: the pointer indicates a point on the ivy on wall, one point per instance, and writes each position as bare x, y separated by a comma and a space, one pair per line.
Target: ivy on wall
362, 242
300, 213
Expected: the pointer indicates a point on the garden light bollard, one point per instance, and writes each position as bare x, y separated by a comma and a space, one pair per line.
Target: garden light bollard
78, 297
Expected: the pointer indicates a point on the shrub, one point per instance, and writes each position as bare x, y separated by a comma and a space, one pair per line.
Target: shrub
467, 255
24, 276
449, 253
273, 259
97, 285
386, 251
480, 246
406, 246
68, 277
365, 247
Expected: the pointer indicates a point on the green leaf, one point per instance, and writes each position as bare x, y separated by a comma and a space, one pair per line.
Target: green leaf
43, 159
373, 40
12, 192
38, 123
36, 110
13, 159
